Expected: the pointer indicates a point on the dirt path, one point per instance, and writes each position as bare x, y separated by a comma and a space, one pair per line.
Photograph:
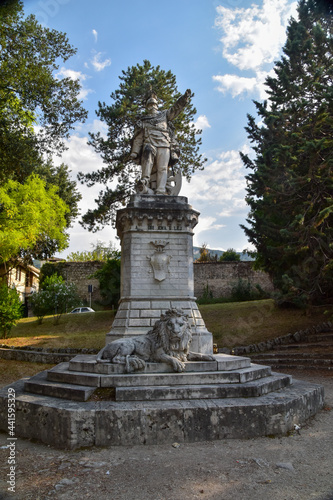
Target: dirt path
295, 467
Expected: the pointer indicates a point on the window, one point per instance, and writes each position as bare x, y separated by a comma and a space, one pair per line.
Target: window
18, 274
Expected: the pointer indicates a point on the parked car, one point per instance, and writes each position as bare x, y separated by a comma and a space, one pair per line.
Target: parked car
82, 310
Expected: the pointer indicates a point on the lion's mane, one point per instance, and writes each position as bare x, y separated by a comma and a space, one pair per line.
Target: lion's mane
161, 333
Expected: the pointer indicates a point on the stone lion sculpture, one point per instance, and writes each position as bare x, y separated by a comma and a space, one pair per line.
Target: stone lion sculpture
168, 342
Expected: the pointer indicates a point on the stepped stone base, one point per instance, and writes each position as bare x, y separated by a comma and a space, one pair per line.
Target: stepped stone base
225, 398
69, 424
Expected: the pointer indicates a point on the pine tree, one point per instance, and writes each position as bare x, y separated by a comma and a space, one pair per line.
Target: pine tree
120, 118
290, 189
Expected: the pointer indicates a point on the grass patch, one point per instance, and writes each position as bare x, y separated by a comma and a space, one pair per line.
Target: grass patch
11, 371
232, 324
243, 323
74, 331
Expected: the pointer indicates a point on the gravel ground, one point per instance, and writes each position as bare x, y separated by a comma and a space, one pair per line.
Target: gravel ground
294, 467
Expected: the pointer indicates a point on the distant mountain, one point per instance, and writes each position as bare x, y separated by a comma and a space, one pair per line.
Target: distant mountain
243, 256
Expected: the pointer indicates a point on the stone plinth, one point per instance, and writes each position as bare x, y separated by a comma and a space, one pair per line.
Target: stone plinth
156, 234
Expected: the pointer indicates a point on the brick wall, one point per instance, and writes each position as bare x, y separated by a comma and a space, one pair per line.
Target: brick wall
222, 276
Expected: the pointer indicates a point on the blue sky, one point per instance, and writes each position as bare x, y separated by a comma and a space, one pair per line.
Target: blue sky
221, 50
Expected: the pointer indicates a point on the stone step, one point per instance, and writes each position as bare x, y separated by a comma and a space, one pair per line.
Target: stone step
305, 362
223, 362
61, 373
254, 372
38, 384
306, 345
253, 389
320, 337
324, 364
298, 366
294, 355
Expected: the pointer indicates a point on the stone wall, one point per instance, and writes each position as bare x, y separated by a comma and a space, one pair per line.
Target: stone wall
221, 277
79, 273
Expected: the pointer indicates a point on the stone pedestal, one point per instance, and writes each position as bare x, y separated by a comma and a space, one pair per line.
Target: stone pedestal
156, 235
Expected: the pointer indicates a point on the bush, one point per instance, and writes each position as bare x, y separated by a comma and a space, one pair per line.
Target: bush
230, 255
244, 291
40, 304
11, 309
55, 298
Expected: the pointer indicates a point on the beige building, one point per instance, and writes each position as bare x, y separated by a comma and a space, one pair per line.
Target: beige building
25, 279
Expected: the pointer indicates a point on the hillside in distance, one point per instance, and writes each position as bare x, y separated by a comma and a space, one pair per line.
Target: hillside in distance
243, 256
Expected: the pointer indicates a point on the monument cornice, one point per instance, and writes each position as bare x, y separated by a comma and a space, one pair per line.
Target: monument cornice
157, 213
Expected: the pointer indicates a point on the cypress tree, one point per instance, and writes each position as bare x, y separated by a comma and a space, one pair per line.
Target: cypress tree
290, 186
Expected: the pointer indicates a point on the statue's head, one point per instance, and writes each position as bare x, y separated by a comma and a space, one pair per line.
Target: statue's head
152, 104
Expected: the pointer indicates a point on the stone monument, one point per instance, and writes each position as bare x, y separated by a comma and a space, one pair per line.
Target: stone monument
156, 232
156, 380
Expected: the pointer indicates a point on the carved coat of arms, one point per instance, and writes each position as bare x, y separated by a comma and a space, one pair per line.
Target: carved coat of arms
160, 260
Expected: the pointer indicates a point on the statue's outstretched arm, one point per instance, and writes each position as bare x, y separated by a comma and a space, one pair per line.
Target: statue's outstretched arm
179, 105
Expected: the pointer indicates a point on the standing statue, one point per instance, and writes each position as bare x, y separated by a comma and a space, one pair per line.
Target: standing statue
155, 147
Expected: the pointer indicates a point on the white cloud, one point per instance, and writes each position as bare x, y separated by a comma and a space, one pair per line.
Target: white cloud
235, 84
240, 85
95, 35
206, 223
99, 126
252, 40
83, 93
202, 122
98, 64
72, 74
221, 184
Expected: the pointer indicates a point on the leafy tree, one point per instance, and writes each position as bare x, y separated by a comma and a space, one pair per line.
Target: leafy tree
230, 255
109, 281
30, 214
290, 187
205, 255
33, 96
10, 309
120, 117
30, 93
49, 269
99, 252
58, 296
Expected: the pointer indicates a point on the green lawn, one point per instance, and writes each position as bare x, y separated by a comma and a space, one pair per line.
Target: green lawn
243, 323
232, 324
74, 330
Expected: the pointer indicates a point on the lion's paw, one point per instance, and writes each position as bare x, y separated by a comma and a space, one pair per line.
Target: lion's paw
178, 366
134, 364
